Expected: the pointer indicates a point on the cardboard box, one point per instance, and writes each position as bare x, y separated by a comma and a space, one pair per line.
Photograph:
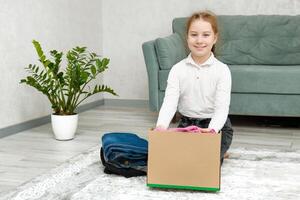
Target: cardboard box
184, 160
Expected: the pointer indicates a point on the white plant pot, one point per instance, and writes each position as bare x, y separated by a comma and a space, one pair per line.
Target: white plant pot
64, 126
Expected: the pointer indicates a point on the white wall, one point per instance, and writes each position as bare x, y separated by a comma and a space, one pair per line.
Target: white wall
127, 24
56, 24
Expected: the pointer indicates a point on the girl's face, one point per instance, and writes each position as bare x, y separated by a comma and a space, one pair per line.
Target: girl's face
201, 39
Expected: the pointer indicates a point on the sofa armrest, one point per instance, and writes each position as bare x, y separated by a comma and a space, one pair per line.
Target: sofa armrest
152, 70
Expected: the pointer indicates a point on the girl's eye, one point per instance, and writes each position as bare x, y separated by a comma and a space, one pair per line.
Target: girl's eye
194, 35
206, 35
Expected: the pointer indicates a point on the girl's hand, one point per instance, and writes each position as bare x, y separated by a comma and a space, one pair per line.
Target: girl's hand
208, 130
160, 128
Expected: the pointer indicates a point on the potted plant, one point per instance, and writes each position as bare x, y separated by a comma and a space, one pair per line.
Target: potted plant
66, 89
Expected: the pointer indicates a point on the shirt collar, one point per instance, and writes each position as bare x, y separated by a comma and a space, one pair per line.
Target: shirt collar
208, 62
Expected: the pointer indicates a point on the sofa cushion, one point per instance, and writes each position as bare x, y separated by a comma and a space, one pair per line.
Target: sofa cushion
265, 104
265, 79
169, 50
257, 39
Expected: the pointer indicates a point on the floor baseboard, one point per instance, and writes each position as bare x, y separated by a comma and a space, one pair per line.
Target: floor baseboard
10, 130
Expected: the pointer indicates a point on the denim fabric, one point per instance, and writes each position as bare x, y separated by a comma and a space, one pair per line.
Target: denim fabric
126, 172
227, 131
130, 151
125, 150
122, 160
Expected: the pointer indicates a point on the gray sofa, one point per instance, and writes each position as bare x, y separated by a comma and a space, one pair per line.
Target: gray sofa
262, 52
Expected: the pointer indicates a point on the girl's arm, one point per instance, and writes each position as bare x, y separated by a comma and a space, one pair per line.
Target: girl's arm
222, 101
171, 98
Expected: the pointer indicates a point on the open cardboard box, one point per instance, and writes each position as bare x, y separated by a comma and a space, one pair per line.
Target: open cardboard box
183, 160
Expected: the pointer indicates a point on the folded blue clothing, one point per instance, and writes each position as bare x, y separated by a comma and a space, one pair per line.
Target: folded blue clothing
124, 139
120, 156
130, 150
125, 149
122, 162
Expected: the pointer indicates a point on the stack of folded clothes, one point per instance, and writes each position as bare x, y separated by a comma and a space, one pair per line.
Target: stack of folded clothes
124, 154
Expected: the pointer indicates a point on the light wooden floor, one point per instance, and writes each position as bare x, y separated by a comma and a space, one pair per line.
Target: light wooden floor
27, 154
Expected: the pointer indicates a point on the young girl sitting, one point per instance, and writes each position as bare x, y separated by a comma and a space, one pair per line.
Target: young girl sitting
199, 86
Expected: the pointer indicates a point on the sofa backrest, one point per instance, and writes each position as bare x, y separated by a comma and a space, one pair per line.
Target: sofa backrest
169, 50
257, 39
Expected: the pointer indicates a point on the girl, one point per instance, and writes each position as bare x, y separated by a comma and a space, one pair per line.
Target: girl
199, 86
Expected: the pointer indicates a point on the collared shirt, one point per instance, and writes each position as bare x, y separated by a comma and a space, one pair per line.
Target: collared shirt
197, 91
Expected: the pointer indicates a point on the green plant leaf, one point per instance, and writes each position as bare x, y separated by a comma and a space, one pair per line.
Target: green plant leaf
105, 61
98, 63
84, 77
38, 48
93, 70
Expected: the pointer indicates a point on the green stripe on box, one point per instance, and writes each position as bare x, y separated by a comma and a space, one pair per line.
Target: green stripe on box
184, 187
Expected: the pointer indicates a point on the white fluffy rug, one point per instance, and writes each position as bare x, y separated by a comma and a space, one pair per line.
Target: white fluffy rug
248, 174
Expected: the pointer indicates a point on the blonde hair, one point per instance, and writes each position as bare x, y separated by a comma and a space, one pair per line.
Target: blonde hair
205, 16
